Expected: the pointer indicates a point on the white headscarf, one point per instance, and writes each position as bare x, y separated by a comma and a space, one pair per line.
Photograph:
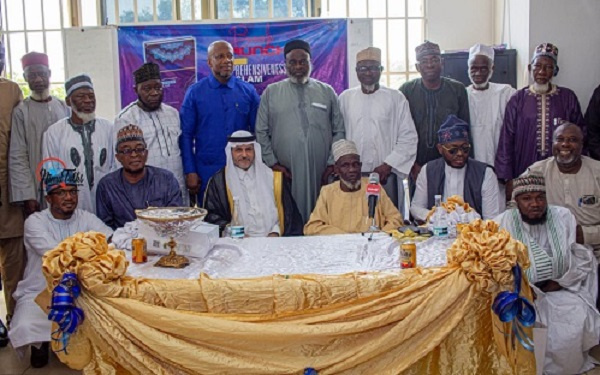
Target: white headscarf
264, 187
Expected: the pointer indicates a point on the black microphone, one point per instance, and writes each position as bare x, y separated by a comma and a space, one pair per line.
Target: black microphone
373, 190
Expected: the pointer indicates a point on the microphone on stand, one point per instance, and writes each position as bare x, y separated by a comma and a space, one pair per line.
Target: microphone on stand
373, 191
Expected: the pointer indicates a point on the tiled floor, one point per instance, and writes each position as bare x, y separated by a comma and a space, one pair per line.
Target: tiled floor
10, 364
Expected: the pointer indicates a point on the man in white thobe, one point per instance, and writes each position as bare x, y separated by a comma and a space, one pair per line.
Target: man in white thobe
487, 102
159, 123
562, 274
456, 174
43, 232
265, 203
30, 120
82, 141
379, 122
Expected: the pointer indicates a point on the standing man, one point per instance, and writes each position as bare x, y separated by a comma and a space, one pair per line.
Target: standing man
12, 257
82, 141
378, 121
532, 115
30, 120
158, 121
487, 102
432, 99
212, 109
573, 181
298, 120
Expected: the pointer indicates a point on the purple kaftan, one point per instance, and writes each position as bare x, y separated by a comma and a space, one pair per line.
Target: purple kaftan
526, 135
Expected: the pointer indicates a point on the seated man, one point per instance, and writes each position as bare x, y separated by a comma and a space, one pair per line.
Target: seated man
342, 206
562, 274
265, 199
136, 185
456, 174
574, 182
43, 232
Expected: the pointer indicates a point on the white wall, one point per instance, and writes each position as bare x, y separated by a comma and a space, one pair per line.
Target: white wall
458, 24
94, 51
574, 28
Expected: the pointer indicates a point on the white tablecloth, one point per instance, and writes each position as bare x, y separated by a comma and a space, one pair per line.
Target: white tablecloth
329, 255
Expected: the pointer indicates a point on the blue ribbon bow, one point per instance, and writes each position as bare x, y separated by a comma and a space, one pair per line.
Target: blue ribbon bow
310, 371
63, 310
510, 307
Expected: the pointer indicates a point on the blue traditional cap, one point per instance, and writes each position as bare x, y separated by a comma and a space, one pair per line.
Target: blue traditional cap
60, 179
453, 129
78, 82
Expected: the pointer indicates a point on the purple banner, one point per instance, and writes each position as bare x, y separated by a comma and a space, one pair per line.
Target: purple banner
181, 52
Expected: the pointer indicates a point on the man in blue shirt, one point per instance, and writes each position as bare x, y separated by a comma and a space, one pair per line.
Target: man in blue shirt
213, 108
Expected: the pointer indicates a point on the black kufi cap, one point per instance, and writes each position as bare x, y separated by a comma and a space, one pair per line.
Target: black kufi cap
296, 44
146, 72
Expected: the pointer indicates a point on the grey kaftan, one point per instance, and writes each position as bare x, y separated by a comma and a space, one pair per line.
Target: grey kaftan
30, 120
296, 125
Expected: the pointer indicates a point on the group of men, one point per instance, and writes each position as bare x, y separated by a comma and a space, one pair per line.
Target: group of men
292, 161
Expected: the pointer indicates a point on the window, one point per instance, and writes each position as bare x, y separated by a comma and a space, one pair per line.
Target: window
35, 25
398, 27
149, 11
228, 9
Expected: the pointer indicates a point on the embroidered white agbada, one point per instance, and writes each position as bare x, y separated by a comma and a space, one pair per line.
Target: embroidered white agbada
454, 184
161, 132
254, 189
91, 153
30, 324
570, 314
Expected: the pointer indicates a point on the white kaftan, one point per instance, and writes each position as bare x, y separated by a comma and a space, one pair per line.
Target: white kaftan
161, 132
383, 129
486, 108
30, 324
570, 314
454, 183
63, 142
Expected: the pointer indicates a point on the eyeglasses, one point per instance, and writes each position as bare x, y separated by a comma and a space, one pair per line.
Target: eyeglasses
130, 151
63, 193
454, 150
372, 69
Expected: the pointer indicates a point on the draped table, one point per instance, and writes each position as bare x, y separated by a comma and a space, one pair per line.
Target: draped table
336, 304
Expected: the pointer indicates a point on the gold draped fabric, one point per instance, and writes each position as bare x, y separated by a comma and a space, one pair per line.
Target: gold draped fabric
419, 321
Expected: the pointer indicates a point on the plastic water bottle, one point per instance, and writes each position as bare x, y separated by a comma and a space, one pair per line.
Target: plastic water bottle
237, 227
440, 219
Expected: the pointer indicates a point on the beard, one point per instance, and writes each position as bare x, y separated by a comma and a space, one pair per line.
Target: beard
536, 221
85, 117
351, 186
42, 96
541, 88
301, 80
481, 86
